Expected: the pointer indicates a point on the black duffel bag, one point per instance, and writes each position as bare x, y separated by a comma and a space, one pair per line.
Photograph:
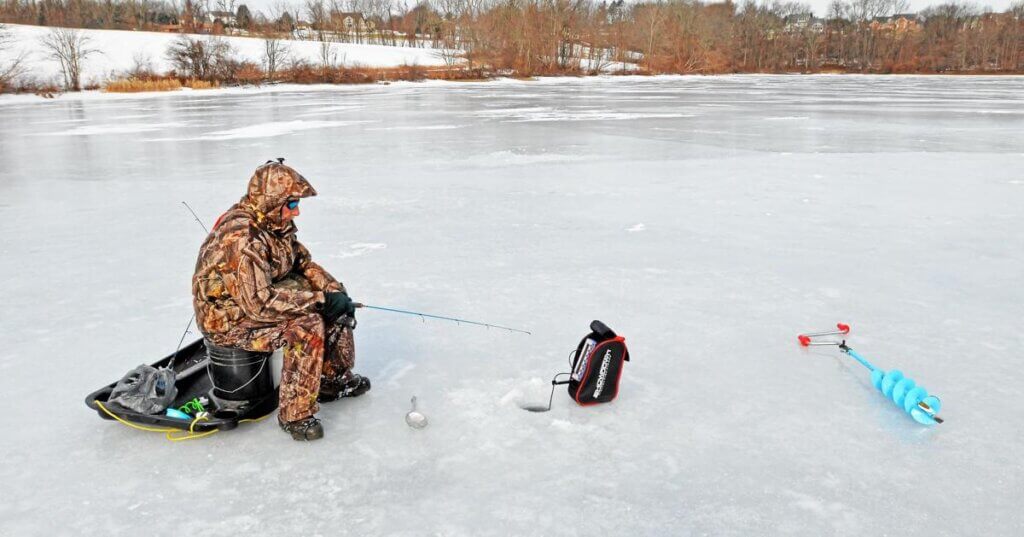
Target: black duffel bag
597, 366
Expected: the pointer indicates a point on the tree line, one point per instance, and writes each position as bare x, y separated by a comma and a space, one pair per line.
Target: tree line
529, 37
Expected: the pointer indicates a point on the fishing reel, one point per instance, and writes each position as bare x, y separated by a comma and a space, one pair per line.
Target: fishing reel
347, 321
902, 390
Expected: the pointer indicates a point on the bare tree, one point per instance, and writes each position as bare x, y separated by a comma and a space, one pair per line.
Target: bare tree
13, 67
275, 55
328, 58
142, 66
227, 6
70, 48
283, 17
863, 12
1015, 37
650, 18
378, 12
318, 15
335, 22
450, 55
206, 59
192, 14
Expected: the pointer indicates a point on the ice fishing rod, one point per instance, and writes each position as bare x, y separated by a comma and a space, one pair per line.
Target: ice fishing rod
174, 357
441, 317
902, 390
194, 215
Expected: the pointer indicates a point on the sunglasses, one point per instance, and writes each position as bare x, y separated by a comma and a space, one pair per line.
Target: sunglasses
292, 205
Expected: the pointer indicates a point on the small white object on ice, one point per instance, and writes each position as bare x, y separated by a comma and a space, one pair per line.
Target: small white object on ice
361, 248
637, 227
414, 419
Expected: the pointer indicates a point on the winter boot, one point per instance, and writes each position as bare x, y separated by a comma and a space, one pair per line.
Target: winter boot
348, 384
304, 429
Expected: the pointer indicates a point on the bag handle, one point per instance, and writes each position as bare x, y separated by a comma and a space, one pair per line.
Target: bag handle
601, 330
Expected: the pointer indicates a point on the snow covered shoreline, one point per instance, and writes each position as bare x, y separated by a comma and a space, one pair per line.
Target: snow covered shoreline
99, 95
118, 51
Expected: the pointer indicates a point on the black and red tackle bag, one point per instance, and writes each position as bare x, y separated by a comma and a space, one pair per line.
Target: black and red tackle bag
597, 366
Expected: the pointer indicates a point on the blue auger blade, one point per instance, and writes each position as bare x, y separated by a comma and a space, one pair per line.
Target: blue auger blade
902, 390
441, 317
913, 399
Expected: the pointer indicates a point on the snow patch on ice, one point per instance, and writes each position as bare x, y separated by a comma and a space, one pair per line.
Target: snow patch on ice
418, 128
515, 396
835, 513
59, 121
325, 110
538, 114
113, 128
403, 370
637, 227
517, 158
831, 292
568, 426
360, 248
268, 130
534, 391
594, 115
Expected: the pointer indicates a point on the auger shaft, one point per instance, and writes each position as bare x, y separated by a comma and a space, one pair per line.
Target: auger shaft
863, 361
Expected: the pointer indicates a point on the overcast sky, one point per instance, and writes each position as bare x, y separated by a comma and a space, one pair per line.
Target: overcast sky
820, 7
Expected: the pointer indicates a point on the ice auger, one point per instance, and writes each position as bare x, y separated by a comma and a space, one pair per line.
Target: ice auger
902, 390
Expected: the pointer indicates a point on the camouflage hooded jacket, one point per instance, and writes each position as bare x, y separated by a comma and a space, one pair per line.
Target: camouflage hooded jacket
251, 249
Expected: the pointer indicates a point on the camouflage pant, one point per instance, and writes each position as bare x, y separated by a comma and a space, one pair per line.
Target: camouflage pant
311, 349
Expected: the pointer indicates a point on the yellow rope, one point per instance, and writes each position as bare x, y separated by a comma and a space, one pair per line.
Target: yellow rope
191, 431
253, 420
169, 431
132, 425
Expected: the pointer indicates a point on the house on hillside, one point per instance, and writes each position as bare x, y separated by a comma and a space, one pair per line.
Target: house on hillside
352, 22
302, 30
799, 23
899, 23
226, 18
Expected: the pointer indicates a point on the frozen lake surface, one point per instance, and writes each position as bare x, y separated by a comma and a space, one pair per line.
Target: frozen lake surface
707, 219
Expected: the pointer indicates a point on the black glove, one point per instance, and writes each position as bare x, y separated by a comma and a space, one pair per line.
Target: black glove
336, 304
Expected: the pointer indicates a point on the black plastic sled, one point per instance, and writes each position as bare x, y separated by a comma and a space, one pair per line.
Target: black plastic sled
244, 389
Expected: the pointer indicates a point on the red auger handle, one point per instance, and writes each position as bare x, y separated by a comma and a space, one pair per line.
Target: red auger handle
805, 339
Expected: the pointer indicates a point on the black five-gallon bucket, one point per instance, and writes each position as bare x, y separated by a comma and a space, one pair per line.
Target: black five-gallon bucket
238, 374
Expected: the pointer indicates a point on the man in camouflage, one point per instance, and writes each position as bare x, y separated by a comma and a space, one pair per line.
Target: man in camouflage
256, 288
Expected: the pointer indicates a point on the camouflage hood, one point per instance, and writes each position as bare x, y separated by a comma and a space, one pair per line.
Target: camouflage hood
250, 254
270, 187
